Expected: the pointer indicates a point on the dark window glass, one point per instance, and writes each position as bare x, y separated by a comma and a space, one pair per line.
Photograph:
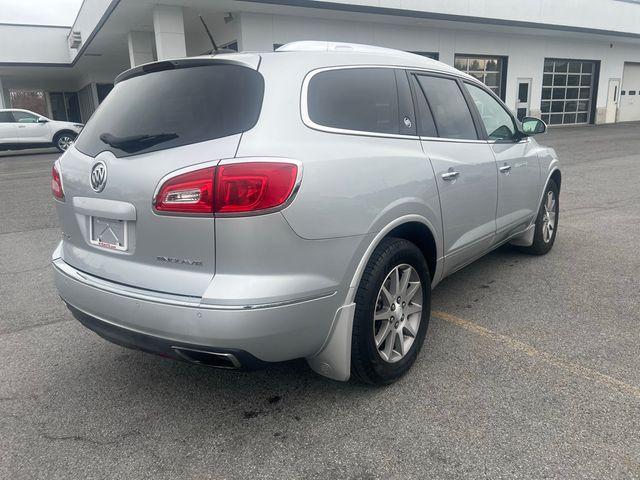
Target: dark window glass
570, 118
432, 55
558, 93
450, 110
572, 93
632, 92
426, 124
103, 90
523, 92
6, 117
545, 107
171, 108
361, 99
582, 118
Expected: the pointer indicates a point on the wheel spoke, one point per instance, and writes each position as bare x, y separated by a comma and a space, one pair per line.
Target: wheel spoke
404, 282
395, 282
400, 337
410, 327
389, 343
414, 287
387, 295
413, 308
383, 314
383, 333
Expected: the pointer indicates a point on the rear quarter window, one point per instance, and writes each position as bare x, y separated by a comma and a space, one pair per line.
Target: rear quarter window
360, 100
176, 107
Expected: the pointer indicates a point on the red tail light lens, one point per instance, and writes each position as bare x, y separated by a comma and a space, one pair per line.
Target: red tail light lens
190, 192
253, 186
234, 188
56, 183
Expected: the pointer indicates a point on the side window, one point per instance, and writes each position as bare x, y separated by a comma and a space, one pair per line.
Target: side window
360, 99
24, 117
6, 117
426, 124
496, 120
449, 108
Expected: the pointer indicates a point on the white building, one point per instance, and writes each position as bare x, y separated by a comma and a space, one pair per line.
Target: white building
568, 61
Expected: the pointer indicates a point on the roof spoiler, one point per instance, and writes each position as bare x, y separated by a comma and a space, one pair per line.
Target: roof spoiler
241, 59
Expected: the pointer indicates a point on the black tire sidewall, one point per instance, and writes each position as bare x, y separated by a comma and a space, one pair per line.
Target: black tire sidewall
539, 246
369, 365
72, 136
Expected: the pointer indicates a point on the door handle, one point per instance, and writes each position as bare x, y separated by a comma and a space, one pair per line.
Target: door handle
450, 176
505, 169
22, 126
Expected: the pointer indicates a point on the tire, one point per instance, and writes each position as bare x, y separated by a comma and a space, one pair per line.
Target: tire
63, 140
546, 223
376, 355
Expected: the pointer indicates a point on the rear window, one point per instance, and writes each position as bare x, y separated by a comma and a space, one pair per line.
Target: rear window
176, 107
360, 99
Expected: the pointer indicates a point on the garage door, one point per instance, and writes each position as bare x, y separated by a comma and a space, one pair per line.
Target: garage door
567, 91
629, 109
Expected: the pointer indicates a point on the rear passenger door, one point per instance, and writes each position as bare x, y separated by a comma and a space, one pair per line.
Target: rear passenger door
516, 160
8, 128
464, 167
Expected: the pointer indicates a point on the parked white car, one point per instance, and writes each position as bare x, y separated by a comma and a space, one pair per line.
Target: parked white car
21, 129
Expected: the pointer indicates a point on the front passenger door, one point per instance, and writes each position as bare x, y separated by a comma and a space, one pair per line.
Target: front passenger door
516, 161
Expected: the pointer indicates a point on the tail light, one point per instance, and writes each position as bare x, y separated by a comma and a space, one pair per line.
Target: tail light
56, 182
233, 188
190, 192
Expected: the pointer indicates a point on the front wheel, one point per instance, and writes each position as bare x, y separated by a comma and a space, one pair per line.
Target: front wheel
546, 223
64, 140
393, 306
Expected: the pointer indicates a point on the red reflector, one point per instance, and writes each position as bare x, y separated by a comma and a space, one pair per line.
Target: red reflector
190, 192
56, 183
252, 186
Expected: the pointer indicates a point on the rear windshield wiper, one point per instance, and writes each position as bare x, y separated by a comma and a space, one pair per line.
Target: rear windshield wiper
135, 143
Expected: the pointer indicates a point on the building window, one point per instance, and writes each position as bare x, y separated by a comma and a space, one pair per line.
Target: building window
65, 106
489, 70
33, 100
432, 55
567, 91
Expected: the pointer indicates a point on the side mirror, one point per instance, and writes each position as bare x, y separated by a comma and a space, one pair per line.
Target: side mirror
42, 120
533, 126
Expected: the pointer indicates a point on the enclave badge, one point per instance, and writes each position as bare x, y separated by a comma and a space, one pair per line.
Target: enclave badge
98, 178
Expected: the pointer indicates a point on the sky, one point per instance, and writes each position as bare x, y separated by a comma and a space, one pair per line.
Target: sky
40, 12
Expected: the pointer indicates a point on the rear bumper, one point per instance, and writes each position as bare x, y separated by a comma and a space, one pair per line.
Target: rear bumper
157, 322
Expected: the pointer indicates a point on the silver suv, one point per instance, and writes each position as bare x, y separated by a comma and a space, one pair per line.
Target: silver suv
240, 209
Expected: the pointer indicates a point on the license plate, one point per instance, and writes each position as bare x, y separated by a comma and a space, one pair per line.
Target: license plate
108, 233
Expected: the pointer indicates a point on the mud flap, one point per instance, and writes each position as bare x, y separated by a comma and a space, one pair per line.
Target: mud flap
334, 360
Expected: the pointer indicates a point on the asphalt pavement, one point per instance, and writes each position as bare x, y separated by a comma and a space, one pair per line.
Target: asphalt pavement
531, 367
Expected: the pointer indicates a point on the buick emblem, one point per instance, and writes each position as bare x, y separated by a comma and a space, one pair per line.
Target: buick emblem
98, 177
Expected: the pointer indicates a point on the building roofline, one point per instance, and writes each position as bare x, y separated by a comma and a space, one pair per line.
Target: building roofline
399, 12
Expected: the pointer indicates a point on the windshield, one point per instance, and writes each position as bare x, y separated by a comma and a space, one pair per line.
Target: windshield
175, 107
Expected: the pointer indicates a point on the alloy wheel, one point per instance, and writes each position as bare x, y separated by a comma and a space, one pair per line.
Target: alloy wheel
398, 313
549, 217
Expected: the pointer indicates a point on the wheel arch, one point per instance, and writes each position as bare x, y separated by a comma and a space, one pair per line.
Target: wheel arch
556, 176
63, 130
413, 228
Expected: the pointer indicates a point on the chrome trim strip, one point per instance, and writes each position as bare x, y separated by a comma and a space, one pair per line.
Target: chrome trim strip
168, 299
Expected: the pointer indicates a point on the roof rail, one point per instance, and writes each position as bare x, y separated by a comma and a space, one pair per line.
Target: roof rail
320, 46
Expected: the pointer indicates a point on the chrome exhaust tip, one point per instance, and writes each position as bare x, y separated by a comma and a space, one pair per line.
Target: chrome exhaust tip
211, 359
